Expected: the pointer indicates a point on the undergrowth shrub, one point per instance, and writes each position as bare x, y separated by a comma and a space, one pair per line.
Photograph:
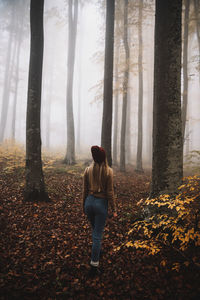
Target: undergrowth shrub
178, 231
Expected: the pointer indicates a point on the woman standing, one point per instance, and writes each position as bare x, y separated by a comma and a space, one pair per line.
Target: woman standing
98, 193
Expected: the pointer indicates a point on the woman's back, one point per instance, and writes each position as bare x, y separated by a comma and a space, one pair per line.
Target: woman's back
98, 176
98, 181
98, 192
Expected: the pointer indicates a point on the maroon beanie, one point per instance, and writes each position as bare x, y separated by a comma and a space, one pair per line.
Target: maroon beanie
98, 154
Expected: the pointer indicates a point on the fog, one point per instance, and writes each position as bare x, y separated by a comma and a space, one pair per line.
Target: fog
88, 75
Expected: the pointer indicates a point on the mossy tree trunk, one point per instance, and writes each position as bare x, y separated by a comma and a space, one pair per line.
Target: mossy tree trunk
167, 168
35, 186
106, 131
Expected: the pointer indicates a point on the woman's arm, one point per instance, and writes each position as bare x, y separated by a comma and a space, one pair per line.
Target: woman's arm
85, 187
110, 191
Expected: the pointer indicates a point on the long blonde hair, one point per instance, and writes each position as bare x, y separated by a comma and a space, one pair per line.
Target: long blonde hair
98, 174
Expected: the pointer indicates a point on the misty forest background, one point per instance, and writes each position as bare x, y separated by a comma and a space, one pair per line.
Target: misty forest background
123, 74
89, 74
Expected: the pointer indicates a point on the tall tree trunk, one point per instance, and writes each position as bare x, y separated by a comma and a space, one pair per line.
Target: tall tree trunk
78, 138
15, 90
7, 78
48, 110
167, 169
106, 131
197, 21
78, 142
187, 140
125, 89
72, 30
140, 92
49, 96
128, 129
35, 186
20, 35
116, 105
185, 68
150, 100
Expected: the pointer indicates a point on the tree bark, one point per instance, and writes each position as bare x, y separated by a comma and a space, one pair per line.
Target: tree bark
185, 68
106, 131
78, 142
78, 138
48, 109
116, 105
128, 129
35, 186
125, 90
197, 19
187, 140
149, 124
139, 167
167, 169
72, 30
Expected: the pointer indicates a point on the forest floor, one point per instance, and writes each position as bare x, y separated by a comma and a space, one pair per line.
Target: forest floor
45, 247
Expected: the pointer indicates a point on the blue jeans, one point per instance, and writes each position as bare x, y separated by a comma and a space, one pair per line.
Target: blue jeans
96, 210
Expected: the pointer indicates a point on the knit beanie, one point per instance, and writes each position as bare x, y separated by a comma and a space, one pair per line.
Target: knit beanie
98, 154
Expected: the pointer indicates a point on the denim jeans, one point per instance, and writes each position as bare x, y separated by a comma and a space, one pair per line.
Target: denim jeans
96, 210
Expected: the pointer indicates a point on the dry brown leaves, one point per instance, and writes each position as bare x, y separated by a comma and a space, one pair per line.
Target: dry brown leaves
45, 247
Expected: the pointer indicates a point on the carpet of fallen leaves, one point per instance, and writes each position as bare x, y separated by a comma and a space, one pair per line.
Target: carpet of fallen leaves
45, 247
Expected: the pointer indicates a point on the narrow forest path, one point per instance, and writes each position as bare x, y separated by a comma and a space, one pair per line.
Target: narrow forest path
45, 247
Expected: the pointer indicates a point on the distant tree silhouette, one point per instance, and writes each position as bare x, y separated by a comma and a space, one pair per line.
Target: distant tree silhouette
125, 89
7, 76
72, 30
139, 167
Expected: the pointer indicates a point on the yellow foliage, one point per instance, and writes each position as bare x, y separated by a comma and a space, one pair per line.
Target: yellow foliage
129, 244
180, 230
176, 267
163, 263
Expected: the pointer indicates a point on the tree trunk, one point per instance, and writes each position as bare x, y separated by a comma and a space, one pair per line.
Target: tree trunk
150, 100
48, 110
139, 167
128, 129
197, 19
15, 91
185, 68
35, 186
20, 35
108, 80
78, 138
78, 142
167, 169
116, 104
187, 140
49, 97
125, 89
7, 78
72, 29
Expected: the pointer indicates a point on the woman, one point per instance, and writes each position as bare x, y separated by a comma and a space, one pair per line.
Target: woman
98, 193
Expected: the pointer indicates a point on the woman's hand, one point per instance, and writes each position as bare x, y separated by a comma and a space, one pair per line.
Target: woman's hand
115, 214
